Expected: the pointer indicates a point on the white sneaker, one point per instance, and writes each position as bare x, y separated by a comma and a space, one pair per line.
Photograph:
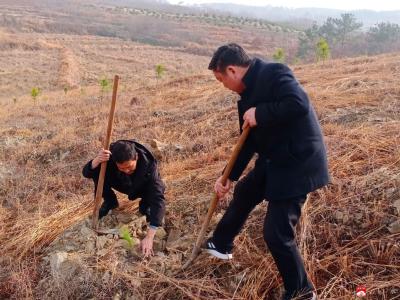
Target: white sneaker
211, 249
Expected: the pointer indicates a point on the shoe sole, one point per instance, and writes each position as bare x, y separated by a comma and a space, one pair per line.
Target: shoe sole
219, 255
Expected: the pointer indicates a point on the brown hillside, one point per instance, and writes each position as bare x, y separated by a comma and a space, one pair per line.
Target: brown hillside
350, 230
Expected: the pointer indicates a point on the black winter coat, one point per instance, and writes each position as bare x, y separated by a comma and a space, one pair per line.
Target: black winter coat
144, 183
287, 137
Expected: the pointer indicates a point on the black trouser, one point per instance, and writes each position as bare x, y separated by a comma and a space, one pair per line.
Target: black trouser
110, 198
279, 228
109, 195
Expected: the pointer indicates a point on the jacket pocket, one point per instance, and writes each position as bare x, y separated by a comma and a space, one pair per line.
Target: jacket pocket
304, 150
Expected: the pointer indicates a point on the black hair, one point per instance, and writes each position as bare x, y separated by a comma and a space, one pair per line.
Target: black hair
230, 54
122, 151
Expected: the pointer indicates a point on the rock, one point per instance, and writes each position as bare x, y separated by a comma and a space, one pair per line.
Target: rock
160, 254
101, 242
394, 227
395, 291
346, 218
56, 259
117, 296
358, 216
67, 234
160, 233
106, 277
63, 265
87, 232
178, 147
71, 247
64, 155
160, 113
109, 221
102, 252
391, 193
138, 223
341, 216
366, 224
125, 218
136, 283
90, 247
396, 205
157, 145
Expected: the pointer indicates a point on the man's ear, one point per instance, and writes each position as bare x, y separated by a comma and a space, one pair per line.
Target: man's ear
230, 69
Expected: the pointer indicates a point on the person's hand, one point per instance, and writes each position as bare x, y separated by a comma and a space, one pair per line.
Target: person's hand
146, 245
104, 155
221, 189
249, 118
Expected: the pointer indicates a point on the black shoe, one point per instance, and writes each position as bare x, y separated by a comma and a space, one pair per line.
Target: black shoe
106, 207
210, 248
306, 296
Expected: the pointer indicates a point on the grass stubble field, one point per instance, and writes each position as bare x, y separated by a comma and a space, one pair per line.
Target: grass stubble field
349, 231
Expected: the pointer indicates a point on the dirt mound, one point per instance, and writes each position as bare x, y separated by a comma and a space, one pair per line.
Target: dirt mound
75, 256
69, 76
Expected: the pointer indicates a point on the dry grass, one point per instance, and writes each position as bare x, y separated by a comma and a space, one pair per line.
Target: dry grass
344, 235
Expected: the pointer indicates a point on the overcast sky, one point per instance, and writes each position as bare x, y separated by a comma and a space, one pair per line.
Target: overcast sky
338, 4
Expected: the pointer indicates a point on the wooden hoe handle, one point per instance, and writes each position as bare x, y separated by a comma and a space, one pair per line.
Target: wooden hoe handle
100, 183
214, 201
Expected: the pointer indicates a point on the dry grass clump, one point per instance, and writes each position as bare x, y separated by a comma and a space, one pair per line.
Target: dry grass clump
345, 237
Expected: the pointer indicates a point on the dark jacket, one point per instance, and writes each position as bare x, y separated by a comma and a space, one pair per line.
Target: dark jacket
287, 137
144, 183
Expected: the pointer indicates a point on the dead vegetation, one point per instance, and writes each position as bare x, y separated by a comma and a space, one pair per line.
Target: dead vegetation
350, 234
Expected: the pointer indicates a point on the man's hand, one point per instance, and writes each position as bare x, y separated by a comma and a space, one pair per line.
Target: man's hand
221, 189
104, 155
146, 245
249, 118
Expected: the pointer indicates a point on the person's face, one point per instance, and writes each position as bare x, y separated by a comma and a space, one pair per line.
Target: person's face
231, 78
127, 167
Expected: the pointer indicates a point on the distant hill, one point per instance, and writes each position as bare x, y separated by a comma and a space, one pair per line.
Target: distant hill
307, 15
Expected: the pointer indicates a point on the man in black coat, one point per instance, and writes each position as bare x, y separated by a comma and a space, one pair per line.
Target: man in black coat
132, 170
291, 163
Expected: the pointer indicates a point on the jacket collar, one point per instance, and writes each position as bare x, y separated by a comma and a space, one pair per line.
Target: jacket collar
250, 77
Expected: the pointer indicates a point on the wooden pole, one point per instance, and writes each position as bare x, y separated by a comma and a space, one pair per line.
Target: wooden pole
100, 183
214, 201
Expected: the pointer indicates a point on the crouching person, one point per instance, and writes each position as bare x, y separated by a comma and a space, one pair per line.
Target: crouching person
132, 170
